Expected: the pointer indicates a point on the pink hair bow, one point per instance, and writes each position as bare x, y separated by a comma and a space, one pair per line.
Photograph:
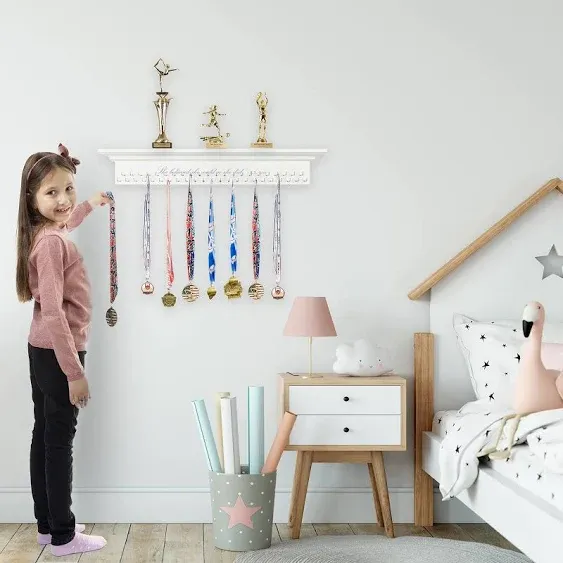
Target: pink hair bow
63, 151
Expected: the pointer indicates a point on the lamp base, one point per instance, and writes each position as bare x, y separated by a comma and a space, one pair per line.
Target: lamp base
311, 374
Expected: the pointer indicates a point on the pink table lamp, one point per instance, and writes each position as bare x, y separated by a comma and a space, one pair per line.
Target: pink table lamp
309, 316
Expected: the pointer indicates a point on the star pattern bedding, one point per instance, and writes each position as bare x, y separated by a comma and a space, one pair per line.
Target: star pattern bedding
535, 462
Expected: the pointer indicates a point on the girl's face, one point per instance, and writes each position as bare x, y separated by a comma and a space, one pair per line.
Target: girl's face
55, 199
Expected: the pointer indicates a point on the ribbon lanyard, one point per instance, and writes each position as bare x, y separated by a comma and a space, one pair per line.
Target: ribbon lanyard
190, 292
233, 234
233, 288
168, 299
256, 290
147, 288
277, 292
211, 291
111, 314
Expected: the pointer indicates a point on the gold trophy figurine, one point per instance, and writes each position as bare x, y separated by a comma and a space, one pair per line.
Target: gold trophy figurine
214, 141
161, 105
261, 141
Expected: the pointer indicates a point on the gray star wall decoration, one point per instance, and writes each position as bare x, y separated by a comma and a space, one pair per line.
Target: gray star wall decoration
552, 263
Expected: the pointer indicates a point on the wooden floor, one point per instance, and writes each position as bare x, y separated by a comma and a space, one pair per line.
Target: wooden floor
193, 543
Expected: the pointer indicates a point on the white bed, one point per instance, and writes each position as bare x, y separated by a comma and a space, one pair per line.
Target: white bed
524, 468
495, 285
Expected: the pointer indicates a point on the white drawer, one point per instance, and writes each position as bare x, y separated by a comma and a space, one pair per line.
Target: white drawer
346, 430
344, 399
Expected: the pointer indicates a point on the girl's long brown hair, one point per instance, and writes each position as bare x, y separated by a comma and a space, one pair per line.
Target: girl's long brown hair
37, 167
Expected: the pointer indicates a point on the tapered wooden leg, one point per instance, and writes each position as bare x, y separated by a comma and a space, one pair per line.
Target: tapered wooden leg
295, 489
378, 515
307, 461
383, 492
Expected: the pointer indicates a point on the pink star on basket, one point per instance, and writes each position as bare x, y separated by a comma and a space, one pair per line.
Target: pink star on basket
240, 513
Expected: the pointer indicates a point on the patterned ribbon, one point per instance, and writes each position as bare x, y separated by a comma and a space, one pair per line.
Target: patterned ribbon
169, 262
190, 233
277, 235
211, 239
147, 232
255, 237
112, 251
233, 233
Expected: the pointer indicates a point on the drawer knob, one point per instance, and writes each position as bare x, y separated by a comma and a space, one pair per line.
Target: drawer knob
346, 398
346, 429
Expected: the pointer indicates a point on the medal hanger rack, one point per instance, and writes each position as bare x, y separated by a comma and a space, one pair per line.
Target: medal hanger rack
220, 166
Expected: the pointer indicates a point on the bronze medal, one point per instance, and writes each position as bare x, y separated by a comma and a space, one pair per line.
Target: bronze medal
147, 288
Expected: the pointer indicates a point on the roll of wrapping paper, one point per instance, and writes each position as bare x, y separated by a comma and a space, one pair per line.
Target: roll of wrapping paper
280, 442
255, 404
206, 435
218, 397
229, 419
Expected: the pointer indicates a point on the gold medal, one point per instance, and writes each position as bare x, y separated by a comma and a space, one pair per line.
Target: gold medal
211, 292
233, 288
256, 291
169, 299
190, 292
111, 316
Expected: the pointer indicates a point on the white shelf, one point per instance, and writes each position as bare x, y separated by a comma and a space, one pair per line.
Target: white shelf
220, 166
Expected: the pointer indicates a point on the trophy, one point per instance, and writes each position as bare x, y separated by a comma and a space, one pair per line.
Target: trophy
161, 105
214, 141
261, 141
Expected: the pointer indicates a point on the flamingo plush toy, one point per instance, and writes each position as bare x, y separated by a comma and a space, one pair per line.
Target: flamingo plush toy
536, 388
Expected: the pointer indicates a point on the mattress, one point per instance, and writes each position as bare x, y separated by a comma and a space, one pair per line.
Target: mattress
523, 467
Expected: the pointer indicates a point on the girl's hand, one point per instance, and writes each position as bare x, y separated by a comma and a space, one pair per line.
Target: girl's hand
79, 392
100, 198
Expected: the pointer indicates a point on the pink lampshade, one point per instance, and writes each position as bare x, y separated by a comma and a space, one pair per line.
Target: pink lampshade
309, 316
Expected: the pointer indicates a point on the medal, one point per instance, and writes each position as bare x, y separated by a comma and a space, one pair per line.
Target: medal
256, 290
190, 292
147, 288
111, 314
211, 291
277, 292
168, 299
233, 288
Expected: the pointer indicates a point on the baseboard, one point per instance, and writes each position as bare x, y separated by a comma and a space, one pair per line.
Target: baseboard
175, 505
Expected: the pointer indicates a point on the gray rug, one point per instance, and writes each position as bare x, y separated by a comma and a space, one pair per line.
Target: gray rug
379, 549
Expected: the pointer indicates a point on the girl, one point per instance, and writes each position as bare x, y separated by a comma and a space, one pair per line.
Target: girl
50, 271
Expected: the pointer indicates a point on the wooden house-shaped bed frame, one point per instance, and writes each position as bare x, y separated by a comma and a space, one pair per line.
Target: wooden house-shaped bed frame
507, 508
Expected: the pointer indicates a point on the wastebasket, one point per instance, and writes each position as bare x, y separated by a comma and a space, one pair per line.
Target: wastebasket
242, 507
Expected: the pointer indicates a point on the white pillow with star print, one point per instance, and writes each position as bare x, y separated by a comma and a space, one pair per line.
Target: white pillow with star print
492, 353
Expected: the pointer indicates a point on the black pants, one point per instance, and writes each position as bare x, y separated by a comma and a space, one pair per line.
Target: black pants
51, 446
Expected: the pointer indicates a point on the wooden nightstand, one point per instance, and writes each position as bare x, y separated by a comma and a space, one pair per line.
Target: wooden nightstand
344, 420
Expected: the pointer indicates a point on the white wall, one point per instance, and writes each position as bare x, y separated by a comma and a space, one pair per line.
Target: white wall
438, 119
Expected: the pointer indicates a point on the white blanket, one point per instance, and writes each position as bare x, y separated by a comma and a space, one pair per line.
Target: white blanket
476, 427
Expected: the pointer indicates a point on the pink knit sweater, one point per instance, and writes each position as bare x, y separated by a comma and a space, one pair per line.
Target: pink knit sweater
61, 290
